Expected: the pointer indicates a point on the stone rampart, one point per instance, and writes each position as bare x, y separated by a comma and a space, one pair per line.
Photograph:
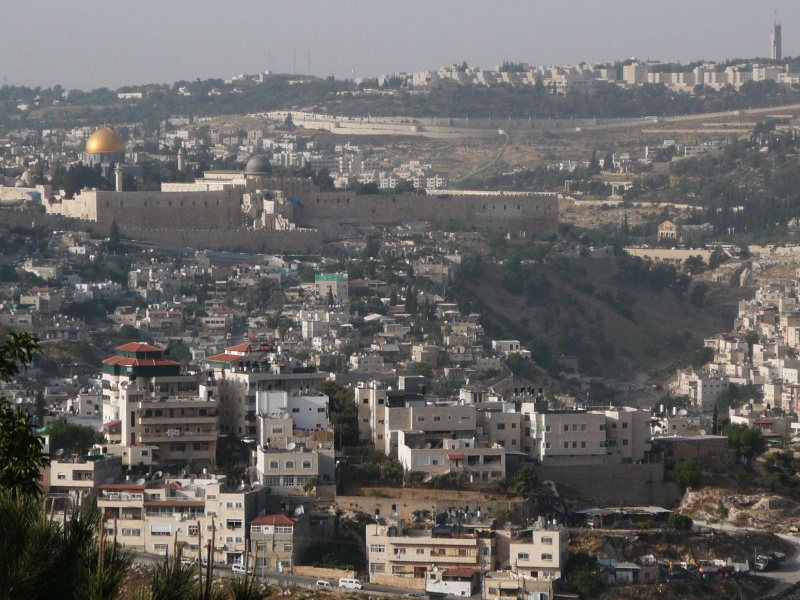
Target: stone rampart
498, 213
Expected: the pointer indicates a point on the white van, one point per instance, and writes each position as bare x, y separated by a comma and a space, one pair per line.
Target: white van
353, 584
323, 583
239, 568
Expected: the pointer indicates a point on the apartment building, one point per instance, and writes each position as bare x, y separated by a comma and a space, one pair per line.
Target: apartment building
331, 284
157, 406
565, 437
244, 370
190, 513
81, 476
398, 556
277, 541
295, 442
539, 552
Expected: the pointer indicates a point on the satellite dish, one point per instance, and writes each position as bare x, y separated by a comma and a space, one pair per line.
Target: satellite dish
255, 486
428, 446
683, 412
299, 511
141, 481
60, 452
158, 475
291, 446
702, 432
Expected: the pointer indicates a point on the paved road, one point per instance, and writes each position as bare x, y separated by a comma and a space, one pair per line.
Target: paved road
281, 579
789, 572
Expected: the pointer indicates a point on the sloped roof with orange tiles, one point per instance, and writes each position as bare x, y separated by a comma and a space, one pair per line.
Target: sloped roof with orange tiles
137, 347
273, 520
126, 361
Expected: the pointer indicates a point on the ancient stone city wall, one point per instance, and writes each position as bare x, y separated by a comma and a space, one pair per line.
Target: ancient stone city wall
492, 212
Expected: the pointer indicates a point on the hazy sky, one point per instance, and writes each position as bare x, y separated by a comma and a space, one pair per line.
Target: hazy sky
87, 43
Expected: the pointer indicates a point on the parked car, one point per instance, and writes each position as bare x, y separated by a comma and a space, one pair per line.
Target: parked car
239, 568
353, 584
323, 583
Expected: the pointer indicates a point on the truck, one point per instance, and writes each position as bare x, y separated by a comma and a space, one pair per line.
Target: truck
767, 562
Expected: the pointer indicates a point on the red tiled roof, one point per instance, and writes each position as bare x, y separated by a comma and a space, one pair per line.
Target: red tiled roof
225, 357
460, 572
174, 485
111, 424
456, 456
245, 347
273, 520
138, 347
139, 362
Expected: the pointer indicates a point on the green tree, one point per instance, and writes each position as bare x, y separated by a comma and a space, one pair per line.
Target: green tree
687, 473
41, 558
343, 413
678, 522
583, 574
72, 438
21, 457
114, 243
748, 442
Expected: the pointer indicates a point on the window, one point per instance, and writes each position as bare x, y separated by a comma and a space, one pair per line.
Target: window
583, 444
501, 426
177, 447
583, 427
547, 428
380, 548
624, 442
437, 418
62, 475
377, 567
574, 444
288, 481
399, 551
421, 419
131, 532
566, 427
603, 427
287, 547
625, 425
290, 464
321, 409
273, 464
160, 529
575, 427
547, 445
547, 556
547, 540
272, 480
420, 550
160, 547
200, 446
295, 410
523, 556
566, 444
462, 551
193, 530
284, 528
229, 505
306, 464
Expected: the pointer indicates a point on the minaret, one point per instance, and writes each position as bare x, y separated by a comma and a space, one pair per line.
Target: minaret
118, 178
181, 160
777, 52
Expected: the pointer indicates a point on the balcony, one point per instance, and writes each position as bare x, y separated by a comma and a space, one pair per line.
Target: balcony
121, 497
192, 436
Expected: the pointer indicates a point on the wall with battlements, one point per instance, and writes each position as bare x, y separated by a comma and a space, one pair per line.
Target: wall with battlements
176, 210
497, 213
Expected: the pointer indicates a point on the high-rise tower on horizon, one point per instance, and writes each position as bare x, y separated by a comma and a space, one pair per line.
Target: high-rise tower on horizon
777, 52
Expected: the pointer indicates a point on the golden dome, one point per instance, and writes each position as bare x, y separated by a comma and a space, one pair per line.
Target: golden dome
105, 140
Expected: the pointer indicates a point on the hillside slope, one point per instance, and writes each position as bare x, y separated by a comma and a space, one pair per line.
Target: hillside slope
580, 309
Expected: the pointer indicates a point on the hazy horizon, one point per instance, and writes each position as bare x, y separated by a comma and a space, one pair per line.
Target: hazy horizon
88, 44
